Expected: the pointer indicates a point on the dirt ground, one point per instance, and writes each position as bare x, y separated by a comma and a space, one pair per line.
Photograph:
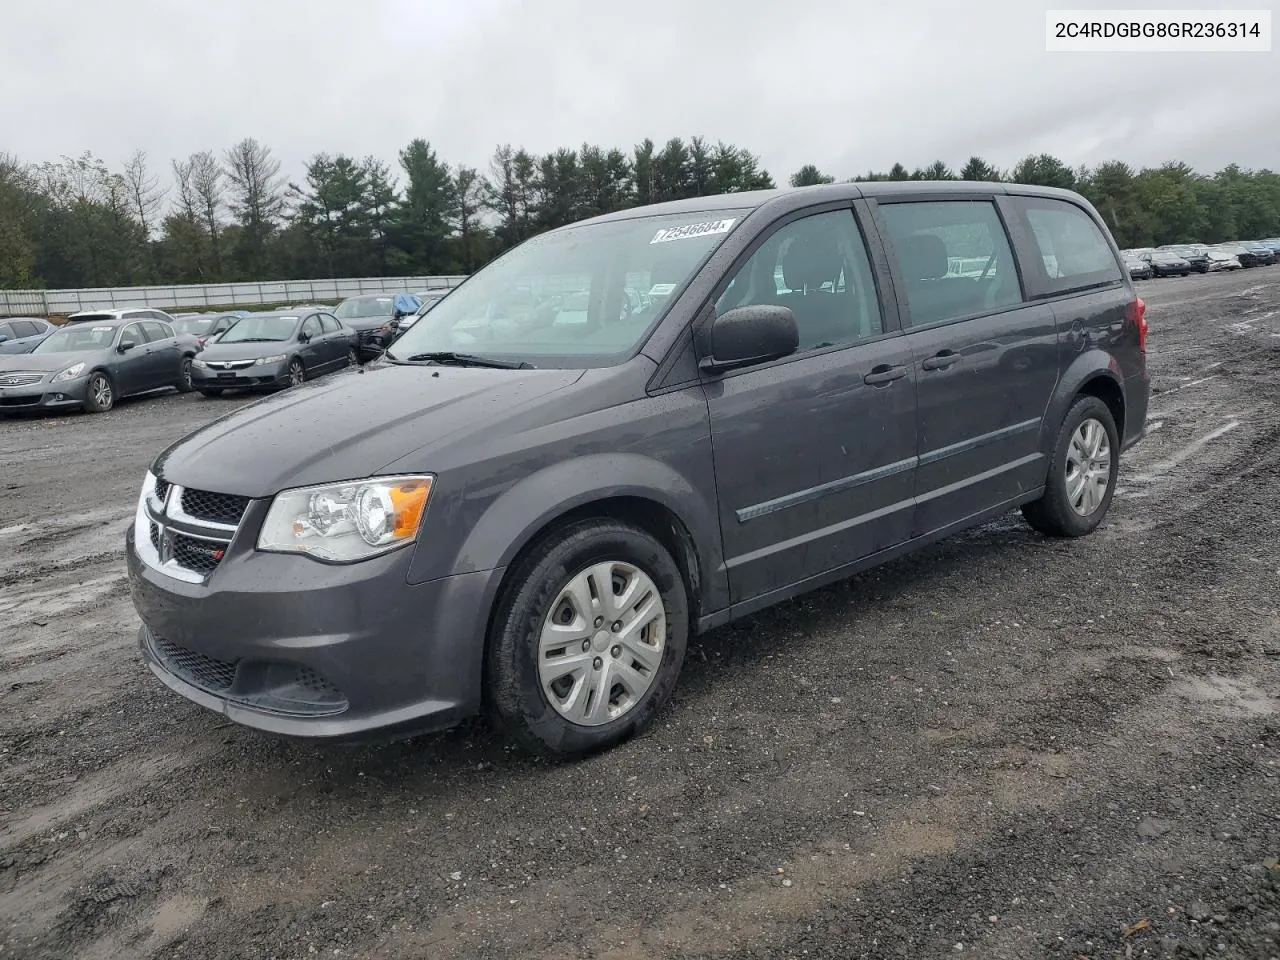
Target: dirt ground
1001, 747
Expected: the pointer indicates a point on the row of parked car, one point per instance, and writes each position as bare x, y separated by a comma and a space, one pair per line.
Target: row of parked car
95, 357
1183, 259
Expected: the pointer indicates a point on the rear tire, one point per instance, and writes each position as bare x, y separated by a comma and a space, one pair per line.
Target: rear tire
633, 619
184, 383
99, 393
1075, 500
353, 358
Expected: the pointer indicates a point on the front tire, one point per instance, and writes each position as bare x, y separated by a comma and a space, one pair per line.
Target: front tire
297, 373
99, 393
588, 640
1082, 474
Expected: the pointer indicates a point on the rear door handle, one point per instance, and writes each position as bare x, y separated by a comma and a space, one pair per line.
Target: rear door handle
884, 374
940, 361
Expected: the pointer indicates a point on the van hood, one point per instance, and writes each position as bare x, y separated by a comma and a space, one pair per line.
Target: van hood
348, 425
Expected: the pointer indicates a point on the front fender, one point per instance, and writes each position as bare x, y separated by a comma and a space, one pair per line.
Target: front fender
512, 520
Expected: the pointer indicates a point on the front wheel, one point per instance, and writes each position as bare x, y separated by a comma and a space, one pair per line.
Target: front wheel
588, 640
184, 383
99, 394
1082, 475
297, 373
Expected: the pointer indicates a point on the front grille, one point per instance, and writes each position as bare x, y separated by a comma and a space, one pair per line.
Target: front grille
202, 556
19, 401
215, 507
162, 490
207, 673
20, 379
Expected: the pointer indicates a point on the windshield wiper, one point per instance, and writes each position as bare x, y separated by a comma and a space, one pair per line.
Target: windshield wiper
255, 340
449, 358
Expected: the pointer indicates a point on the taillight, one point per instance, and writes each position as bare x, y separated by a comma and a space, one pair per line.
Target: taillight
1136, 314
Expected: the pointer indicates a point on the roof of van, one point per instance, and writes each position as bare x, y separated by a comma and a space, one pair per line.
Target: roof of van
791, 197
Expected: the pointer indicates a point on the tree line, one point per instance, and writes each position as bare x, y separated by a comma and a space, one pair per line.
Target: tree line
233, 216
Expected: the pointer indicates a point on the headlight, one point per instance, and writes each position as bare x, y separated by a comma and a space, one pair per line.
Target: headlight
263, 361
70, 373
343, 522
197, 362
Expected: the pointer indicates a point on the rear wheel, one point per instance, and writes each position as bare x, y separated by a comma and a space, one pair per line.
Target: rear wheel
588, 640
99, 393
353, 357
184, 383
1082, 474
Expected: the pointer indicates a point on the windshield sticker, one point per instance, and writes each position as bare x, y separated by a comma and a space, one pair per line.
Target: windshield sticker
694, 230
101, 329
661, 289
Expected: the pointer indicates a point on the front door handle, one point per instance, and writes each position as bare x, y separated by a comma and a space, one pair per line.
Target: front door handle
884, 374
942, 360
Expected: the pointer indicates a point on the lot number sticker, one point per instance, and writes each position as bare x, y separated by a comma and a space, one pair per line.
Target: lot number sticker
694, 230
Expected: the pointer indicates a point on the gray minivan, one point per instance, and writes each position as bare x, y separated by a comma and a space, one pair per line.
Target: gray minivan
766, 392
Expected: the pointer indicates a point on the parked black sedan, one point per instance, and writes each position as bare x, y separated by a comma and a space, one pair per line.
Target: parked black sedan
374, 317
1138, 268
273, 350
92, 365
21, 334
1166, 264
1198, 257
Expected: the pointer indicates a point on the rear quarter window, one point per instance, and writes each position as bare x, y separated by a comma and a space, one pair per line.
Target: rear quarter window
1074, 253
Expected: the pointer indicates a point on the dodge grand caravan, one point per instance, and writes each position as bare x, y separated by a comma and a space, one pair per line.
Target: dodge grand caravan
763, 393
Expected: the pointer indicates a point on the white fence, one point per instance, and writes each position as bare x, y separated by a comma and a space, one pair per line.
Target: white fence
46, 302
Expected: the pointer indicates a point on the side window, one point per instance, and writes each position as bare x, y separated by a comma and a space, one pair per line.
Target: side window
7, 330
133, 331
154, 330
818, 266
954, 258
1075, 253
311, 326
329, 324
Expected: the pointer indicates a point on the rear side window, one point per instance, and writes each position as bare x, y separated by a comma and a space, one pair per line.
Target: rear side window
954, 258
1074, 251
155, 331
329, 324
27, 328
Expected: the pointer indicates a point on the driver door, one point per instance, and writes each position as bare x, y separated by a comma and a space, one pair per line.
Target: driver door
814, 452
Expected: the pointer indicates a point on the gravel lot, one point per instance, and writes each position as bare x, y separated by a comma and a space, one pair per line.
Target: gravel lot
1002, 747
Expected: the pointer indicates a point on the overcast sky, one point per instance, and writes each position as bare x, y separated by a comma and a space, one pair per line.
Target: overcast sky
847, 84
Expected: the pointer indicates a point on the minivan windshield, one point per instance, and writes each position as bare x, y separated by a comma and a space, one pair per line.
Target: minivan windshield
358, 307
578, 297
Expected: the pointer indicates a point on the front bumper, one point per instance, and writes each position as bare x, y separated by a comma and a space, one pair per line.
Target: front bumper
292, 646
244, 378
44, 395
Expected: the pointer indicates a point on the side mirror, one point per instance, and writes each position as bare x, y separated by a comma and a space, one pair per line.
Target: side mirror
126, 346
304, 338
747, 335
4, 337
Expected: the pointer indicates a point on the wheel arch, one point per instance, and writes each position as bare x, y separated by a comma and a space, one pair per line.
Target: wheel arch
1094, 374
